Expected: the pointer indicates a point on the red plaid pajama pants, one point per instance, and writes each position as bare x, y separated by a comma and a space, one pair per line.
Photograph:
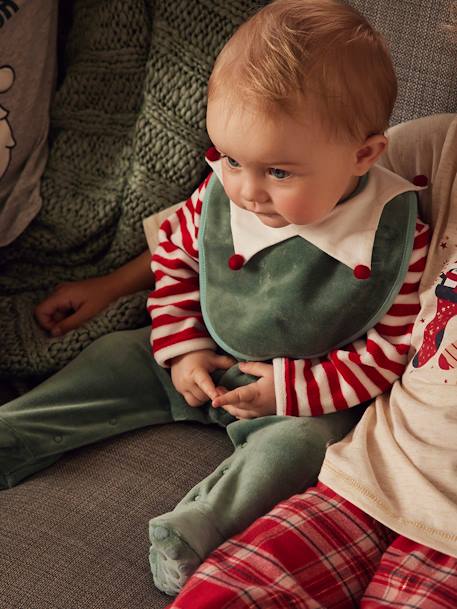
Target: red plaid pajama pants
318, 551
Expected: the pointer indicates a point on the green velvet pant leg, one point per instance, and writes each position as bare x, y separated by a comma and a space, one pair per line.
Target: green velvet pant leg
113, 386
274, 458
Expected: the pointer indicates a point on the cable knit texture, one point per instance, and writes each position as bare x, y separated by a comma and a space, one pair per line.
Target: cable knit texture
128, 136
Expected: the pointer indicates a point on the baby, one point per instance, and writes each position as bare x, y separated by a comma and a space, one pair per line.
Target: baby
292, 257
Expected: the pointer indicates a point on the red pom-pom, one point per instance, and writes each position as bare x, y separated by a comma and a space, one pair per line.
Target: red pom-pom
362, 272
212, 154
420, 180
235, 262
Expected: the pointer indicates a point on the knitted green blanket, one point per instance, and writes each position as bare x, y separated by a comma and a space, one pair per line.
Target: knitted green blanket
128, 136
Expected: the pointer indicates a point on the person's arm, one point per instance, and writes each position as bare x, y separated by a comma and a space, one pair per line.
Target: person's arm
416, 147
174, 304
72, 304
179, 337
364, 369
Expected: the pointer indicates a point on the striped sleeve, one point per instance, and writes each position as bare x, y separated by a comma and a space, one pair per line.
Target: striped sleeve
363, 369
174, 304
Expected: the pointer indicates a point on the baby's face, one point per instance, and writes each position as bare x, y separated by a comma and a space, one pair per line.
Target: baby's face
281, 170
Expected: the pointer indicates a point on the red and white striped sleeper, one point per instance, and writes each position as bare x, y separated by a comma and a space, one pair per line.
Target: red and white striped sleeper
343, 378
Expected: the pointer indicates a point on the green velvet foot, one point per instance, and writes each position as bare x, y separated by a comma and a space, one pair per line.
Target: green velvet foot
180, 541
171, 560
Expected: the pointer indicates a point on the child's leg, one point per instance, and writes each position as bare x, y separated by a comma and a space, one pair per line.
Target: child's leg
313, 550
274, 458
113, 386
412, 575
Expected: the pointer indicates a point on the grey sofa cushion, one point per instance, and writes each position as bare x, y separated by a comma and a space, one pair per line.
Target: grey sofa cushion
424, 57
76, 535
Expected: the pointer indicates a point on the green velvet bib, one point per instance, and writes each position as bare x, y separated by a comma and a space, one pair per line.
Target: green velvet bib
293, 299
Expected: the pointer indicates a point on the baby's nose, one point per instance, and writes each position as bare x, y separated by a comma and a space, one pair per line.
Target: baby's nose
253, 192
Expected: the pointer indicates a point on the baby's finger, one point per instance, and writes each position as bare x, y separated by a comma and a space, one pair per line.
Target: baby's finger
199, 394
223, 362
255, 368
205, 383
238, 396
240, 413
191, 399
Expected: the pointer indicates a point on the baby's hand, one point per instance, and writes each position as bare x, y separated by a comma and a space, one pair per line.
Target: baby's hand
254, 400
72, 304
190, 374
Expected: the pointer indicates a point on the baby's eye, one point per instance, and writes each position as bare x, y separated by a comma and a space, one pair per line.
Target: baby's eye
279, 174
231, 162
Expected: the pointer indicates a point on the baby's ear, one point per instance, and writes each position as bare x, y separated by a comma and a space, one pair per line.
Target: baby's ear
6, 78
369, 152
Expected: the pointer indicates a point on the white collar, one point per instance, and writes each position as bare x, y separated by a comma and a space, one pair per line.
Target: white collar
347, 233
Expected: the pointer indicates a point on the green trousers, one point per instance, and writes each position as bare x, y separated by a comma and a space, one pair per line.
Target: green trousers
115, 386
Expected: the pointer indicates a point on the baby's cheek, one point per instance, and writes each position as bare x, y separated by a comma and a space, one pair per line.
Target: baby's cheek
297, 210
230, 188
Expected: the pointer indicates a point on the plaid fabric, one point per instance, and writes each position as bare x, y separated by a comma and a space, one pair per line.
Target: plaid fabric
412, 575
315, 551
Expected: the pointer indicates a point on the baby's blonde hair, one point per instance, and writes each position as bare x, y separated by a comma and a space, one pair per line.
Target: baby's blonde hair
310, 56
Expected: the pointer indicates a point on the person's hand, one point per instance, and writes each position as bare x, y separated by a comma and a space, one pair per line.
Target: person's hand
72, 304
190, 374
257, 399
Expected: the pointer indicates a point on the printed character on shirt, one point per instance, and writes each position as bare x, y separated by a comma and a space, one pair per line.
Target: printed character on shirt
7, 141
446, 309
